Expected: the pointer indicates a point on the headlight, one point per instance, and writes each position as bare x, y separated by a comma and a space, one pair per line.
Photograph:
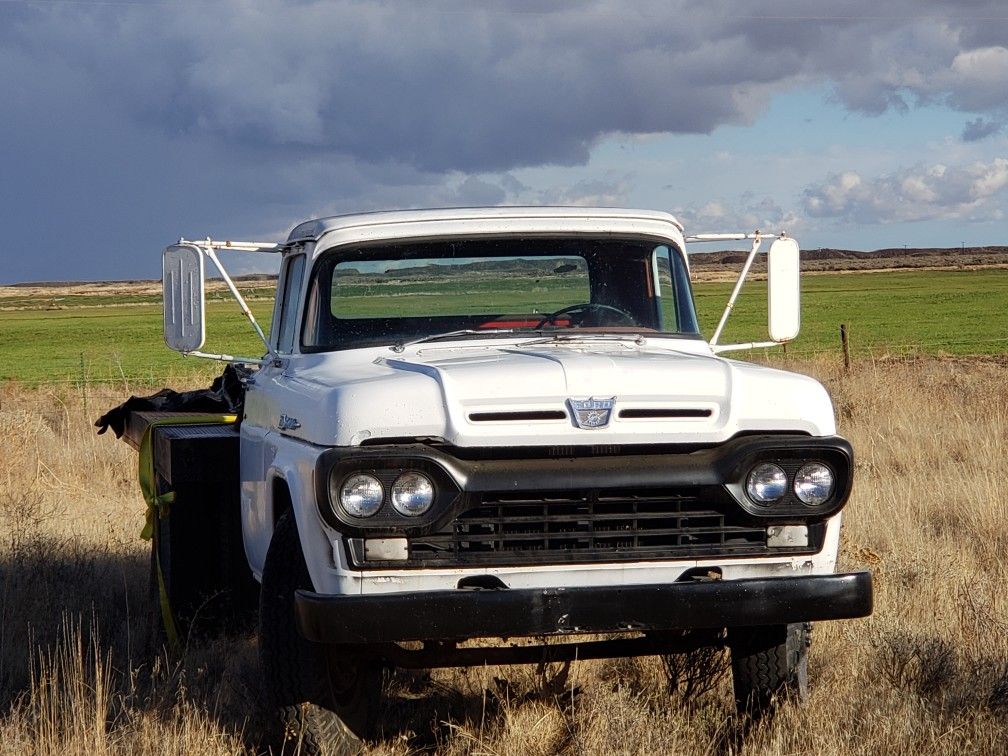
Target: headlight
412, 494
766, 483
813, 484
361, 495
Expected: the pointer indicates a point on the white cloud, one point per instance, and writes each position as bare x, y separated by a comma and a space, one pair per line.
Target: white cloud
973, 192
746, 214
474, 191
607, 191
977, 78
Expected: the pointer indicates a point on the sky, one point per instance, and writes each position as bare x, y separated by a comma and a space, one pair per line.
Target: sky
853, 124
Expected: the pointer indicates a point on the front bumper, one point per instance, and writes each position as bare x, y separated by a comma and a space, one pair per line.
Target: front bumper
481, 613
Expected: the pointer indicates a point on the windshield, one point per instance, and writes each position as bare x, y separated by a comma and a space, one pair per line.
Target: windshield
388, 294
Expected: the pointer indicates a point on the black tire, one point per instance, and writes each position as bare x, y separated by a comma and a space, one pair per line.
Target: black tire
322, 699
768, 664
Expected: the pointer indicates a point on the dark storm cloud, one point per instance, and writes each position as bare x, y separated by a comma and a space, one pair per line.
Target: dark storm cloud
980, 128
128, 123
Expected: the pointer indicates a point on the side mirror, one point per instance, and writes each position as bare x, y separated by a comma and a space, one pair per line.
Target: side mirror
184, 300
783, 290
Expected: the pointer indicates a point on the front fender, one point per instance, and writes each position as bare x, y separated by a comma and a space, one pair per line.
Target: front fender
290, 463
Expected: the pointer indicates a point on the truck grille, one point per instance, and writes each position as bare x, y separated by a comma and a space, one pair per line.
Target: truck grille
517, 528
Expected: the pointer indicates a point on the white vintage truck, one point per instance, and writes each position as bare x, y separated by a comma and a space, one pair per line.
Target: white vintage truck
499, 423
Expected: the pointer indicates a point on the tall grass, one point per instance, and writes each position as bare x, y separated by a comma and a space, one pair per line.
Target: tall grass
928, 673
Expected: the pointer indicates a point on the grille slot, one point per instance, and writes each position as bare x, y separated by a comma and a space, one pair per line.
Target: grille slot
659, 412
496, 417
591, 526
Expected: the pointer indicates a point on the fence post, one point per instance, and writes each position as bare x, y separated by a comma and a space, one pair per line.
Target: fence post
845, 343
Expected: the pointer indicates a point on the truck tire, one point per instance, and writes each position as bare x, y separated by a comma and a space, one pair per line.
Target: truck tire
768, 663
321, 700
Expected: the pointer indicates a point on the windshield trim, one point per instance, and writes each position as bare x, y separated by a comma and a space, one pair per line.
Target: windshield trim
346, 251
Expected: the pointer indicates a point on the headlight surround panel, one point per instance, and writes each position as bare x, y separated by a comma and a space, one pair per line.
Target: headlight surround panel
837, 458
458, 475
387, 470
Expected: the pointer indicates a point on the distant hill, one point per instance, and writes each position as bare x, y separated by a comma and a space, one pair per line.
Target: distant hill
249, 278
828, 259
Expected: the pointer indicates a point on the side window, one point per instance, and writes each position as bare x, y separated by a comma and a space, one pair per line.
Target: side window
672, 289
289, 303
665, 290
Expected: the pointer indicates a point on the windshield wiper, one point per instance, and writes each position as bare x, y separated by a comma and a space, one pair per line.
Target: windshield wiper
400, 346
636, 338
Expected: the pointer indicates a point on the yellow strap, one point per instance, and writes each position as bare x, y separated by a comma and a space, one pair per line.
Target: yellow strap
157, 504
167, 615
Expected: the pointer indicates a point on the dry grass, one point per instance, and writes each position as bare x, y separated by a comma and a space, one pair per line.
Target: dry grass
928, 673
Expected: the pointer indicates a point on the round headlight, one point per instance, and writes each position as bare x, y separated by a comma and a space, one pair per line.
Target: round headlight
412, 494
361, 495
813, 484
766, 483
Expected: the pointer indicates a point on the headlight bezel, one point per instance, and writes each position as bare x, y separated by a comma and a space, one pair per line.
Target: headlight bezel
387, 520
789, 508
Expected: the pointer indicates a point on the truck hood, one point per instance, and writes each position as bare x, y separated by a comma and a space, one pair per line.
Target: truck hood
526, 394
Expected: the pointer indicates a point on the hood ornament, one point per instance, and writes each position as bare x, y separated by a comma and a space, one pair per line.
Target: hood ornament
591, 413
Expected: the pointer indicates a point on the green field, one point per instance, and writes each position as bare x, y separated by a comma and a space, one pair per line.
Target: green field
118, 338
932, 312
113, 344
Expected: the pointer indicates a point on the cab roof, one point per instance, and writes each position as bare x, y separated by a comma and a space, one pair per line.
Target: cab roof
404, 224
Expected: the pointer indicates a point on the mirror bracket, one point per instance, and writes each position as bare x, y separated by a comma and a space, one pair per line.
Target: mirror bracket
782, 297
183, 280
757, 239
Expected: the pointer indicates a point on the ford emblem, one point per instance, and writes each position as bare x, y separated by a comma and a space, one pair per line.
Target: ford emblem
591, 413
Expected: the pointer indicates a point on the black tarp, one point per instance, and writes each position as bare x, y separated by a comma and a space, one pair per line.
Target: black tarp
226, 395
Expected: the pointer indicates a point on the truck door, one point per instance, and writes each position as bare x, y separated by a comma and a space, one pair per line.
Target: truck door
264, 399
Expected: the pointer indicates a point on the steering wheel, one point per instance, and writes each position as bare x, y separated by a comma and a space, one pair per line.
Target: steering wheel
579, 312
